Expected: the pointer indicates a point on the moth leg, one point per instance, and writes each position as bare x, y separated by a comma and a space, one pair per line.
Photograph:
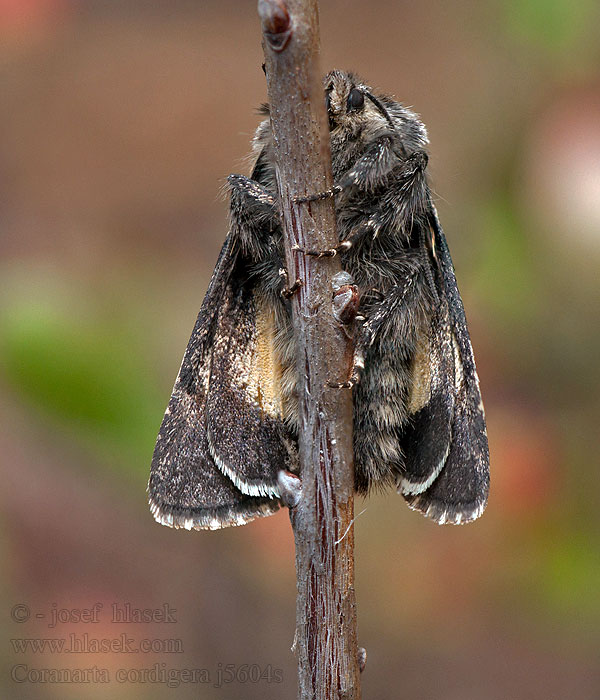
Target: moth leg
362, 659
252, 190
255, 222
336, 189
286, 291
346, 302
379, 163
358, 235
398, 300
368, 172
290, 488
358, 365
373, 168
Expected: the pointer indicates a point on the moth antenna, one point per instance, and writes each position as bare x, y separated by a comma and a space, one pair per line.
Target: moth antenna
381, 109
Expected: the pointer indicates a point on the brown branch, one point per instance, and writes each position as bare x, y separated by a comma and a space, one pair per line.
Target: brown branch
326, 611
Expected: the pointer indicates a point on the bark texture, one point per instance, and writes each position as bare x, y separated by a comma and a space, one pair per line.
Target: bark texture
325, 643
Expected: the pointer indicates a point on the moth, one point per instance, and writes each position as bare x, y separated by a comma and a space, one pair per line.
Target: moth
228, 440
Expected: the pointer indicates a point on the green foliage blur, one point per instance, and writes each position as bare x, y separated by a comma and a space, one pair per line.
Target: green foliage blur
89, 376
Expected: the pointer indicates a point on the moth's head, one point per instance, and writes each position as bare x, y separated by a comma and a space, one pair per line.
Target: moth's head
351, 105
355, 112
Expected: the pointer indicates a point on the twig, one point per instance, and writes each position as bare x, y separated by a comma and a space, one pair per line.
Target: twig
326, 647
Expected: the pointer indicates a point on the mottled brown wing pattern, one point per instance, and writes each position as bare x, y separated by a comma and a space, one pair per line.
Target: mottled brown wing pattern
222, 441
459, 491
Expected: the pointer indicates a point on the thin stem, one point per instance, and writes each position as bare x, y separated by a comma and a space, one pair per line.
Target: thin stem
326, 610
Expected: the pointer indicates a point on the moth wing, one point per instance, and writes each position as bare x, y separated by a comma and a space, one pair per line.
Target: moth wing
426, 438
247, 437
187, 487
458, 490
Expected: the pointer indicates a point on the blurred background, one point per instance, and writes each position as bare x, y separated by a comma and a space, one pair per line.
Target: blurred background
120, 122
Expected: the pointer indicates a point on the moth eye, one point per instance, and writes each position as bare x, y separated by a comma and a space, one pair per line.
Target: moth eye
355, 100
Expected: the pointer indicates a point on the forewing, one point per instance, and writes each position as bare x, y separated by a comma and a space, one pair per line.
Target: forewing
459, 493
186, 487
246, 433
